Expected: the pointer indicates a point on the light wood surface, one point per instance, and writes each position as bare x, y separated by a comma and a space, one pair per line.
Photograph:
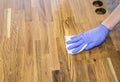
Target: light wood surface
32, 43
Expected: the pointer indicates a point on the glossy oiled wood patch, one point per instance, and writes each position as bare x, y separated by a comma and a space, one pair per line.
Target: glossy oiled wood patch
32, 43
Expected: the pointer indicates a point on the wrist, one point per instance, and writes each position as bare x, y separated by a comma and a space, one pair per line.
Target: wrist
107, 25
104, 28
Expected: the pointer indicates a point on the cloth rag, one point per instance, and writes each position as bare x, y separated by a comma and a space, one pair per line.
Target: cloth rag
67, 38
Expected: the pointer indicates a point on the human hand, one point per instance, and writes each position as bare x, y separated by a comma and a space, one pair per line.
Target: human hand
91, 38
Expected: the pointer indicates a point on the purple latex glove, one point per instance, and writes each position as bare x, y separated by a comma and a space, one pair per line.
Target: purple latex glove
91, 38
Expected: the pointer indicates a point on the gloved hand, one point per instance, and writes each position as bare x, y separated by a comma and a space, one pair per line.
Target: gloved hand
91, 38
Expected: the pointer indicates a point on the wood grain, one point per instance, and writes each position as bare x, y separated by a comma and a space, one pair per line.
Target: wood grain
32, 43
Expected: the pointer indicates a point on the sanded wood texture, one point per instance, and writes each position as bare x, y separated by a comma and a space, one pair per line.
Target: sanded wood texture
32, 43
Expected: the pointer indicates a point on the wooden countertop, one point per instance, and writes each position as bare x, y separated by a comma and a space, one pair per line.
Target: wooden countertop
32, 47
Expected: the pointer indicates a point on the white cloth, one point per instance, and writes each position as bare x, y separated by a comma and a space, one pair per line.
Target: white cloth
67, 38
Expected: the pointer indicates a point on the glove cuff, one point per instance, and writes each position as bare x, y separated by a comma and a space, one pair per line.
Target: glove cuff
105, 28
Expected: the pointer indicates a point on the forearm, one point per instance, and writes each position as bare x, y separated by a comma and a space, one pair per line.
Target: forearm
113, 19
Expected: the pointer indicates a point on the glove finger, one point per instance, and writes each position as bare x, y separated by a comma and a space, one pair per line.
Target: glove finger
77, 50
90, 46
74, 45
74, 40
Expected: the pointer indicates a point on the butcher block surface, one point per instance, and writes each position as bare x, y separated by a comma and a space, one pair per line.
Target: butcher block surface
32, 43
